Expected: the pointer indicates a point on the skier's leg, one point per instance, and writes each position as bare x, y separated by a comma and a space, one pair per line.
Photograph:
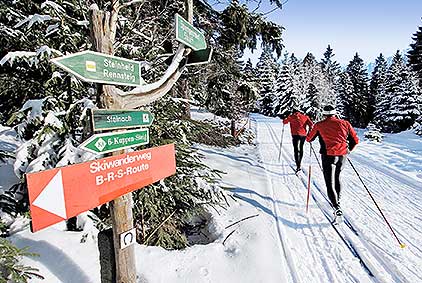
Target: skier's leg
339, 162
328, 169
295, 139
300, 154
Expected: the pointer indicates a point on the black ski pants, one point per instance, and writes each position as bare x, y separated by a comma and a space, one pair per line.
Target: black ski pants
332, 166
298, 142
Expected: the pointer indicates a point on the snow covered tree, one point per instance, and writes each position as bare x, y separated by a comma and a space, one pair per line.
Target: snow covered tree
331, 71
30, 34
266, 69
415, 54
344, 90
330, 67
313, 98
373, 133
377, 88
312, 105
358, 106
404, 94
286, 87
418, 126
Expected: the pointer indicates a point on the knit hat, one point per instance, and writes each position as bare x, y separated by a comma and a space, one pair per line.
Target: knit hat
329, 110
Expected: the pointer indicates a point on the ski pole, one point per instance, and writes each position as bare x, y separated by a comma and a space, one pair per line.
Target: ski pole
316, 156
402, 245
309, 177
281, 143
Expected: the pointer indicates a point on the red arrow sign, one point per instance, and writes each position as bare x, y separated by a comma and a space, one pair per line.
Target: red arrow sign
61, 193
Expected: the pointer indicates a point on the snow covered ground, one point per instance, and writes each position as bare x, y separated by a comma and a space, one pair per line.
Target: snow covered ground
277, 240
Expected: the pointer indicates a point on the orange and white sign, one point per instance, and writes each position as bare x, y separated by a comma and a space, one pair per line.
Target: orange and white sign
61, 193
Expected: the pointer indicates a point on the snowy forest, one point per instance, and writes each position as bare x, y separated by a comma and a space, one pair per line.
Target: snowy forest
47, 109
389, 98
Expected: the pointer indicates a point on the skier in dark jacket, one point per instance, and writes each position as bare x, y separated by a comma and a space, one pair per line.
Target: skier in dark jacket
337, 138
298, 123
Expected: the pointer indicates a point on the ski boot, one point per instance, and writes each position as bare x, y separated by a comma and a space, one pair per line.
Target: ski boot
338, 216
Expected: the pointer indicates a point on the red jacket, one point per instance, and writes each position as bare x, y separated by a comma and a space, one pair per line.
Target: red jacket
335, 135
298, 123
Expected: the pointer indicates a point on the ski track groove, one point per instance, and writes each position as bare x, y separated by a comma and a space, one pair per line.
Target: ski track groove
361, 239
369, 252
282, 241
379, 182
408, 180
349, 245
366, 264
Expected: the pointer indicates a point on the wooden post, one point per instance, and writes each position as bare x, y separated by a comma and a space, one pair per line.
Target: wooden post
103, 28
122, 221
185, 82
103, 33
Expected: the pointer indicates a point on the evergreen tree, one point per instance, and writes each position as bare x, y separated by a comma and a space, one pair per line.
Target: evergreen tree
415, 54
312, 105
311, 73
267, 69
344, 90
249, 86
403, 90
331, 70
285, 88
358, 107
330, 67
377, 88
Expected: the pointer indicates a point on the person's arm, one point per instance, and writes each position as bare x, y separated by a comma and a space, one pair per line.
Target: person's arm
310, 124
287, 120
312, 134
352, 138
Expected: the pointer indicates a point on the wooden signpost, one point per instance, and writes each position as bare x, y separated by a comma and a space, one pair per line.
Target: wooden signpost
60, 193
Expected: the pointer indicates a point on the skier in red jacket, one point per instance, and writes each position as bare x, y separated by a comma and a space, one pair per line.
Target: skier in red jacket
298, 123
337, 138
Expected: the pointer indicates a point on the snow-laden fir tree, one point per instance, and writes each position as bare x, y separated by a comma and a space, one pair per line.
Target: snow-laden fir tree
358, 107
266, 69
313, 87
312, 103
344, 89
331, 70
286, 87
404, 94
415, 54
377, 88
373, 133
330, 67
418, 126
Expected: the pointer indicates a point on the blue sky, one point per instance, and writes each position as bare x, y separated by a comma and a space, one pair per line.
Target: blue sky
349, 26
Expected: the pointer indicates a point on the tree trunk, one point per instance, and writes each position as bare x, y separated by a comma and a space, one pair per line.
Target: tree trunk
233, 128
103, 27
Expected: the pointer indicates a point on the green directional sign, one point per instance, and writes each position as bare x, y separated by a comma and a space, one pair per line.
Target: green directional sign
108, 142
97, 67
104, 119
188, 34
